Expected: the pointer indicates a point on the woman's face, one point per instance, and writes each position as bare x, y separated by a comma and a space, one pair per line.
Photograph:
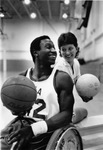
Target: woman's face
68, 52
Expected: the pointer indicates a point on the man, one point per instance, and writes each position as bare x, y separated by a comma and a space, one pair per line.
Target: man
54, 105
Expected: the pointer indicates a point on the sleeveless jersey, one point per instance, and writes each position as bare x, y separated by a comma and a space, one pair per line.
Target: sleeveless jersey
46, 104
63, 65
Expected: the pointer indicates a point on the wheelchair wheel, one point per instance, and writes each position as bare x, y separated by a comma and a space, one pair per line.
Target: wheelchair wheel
67, 138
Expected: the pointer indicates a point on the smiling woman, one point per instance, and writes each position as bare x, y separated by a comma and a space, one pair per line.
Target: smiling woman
69, 50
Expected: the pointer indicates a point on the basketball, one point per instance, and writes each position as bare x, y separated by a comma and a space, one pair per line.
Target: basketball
18, 93
87, 85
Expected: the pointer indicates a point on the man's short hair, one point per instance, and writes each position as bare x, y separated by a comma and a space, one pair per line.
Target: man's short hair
35, 44
67, 38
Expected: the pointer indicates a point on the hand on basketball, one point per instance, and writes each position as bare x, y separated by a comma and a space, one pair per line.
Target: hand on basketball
86, 99
22, 137
20, 114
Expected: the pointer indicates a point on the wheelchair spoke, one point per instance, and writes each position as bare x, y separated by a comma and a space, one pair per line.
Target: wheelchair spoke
68, 139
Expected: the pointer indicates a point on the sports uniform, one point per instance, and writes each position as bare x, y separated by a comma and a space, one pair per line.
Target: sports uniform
45, 107
46, 104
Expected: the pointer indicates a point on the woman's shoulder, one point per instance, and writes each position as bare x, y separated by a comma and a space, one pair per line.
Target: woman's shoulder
62, 65
76, 62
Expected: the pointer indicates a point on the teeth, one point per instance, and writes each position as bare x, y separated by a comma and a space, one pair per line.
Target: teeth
52, 56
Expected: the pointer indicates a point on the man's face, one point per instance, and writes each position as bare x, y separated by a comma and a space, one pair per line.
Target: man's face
47, 54
68, 52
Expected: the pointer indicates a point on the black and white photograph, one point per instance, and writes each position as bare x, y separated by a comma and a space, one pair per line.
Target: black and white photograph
51, 74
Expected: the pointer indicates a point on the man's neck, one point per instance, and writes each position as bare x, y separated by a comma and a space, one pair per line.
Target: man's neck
40, 73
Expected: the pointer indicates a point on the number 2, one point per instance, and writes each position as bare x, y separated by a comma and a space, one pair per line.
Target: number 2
36, 111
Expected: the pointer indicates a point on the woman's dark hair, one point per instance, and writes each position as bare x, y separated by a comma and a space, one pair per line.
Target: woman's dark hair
35, 44
68, 38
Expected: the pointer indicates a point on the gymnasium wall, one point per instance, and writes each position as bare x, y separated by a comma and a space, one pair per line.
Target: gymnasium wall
18, 34
94, 67
92, 36
17, 65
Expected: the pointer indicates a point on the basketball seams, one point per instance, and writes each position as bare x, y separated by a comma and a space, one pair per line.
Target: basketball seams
16, 98
27, 89
17, 84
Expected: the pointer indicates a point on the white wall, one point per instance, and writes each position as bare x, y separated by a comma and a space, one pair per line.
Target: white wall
92, 43
20, 33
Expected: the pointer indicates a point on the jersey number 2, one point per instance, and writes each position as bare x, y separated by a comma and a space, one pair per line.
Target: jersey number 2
36, 111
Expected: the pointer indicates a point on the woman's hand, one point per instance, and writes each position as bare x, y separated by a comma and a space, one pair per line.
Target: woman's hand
86, 99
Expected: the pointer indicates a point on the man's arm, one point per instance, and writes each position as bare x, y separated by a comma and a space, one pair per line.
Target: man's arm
64, 88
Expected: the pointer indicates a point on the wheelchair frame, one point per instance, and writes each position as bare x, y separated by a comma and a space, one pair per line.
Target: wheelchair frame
62, 138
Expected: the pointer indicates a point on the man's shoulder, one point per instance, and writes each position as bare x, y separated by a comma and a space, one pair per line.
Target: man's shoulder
62, 76
63, 79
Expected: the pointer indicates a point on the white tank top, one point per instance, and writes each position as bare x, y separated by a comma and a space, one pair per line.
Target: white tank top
63, 65
46, 104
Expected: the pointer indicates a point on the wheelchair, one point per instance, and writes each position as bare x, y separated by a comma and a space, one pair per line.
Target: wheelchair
67, 138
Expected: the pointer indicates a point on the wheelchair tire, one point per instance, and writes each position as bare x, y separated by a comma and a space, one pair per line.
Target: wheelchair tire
67, 138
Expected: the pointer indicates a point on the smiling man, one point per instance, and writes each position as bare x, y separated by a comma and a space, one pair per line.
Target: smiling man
53, 107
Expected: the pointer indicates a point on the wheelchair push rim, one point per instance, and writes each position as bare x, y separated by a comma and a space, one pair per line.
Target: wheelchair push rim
65, 139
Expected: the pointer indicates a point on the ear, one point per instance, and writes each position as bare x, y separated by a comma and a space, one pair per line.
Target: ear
78, 51
78, 48
35, 53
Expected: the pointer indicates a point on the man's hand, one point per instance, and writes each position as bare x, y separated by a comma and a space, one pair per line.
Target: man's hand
19, 114
22, 137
